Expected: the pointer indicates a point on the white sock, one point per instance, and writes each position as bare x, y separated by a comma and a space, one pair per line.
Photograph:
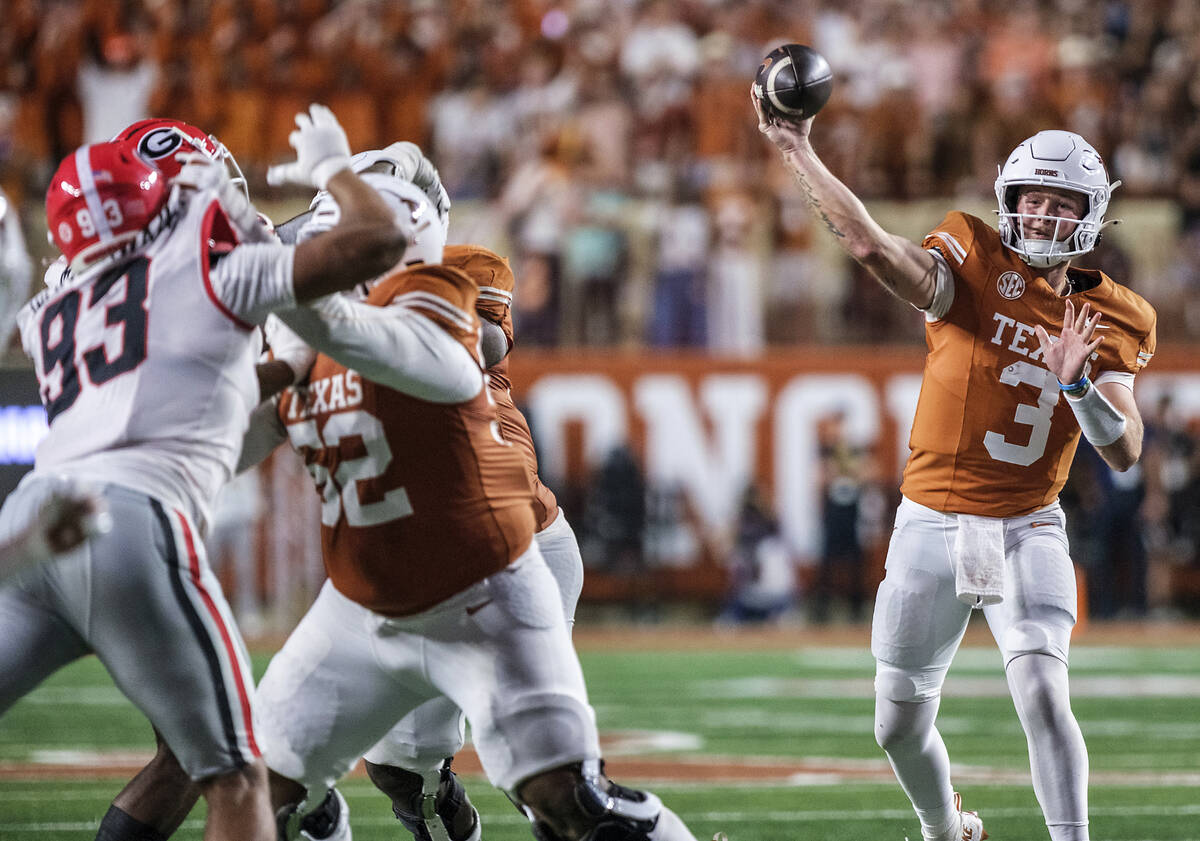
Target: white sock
1058, 757
914, 747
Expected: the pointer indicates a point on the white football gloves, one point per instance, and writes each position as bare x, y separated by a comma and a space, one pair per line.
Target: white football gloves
289, 348
321, 150
200, 172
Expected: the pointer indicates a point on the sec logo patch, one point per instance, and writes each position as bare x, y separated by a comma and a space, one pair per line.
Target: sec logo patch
1011, 285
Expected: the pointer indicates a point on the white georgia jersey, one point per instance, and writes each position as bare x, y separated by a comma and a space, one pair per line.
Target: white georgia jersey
146, 370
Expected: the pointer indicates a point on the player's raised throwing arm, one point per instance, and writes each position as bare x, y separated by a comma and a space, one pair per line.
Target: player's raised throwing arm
900, 264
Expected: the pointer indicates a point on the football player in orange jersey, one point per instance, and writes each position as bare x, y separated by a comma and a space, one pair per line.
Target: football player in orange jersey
1026, 353
412, 763
437, 587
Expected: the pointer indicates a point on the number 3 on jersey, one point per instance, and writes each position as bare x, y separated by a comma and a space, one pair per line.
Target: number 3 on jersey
341, 489
1037, 417
60, 323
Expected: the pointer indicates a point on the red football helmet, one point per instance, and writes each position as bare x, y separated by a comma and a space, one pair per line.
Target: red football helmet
104, 202
161, 141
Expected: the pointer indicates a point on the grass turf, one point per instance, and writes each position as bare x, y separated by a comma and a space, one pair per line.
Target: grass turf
804, 709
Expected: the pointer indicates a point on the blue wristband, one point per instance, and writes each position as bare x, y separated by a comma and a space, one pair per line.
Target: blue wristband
1072, 388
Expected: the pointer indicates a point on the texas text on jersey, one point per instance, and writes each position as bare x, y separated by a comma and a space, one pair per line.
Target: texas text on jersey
991, 435
420, 499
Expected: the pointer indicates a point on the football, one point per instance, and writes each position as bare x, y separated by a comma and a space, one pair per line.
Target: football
793, 81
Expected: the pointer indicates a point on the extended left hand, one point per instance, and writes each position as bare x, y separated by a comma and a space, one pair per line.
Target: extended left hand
1067, 355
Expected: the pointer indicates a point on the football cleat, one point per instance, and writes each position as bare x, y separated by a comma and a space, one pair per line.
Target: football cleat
430, 816
330, 821
971, 827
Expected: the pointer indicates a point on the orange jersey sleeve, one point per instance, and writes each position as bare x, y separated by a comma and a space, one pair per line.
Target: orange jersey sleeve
992, 435
442, 293
515, 429
419, 500
494, 277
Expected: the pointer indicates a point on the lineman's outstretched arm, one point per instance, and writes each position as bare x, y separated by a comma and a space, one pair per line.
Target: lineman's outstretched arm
392, 346
901, 265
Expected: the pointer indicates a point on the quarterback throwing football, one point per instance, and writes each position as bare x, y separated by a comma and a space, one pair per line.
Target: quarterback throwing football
1026, 353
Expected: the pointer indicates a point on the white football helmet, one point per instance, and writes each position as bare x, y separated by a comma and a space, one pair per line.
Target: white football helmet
406, 160
1066, 161
413, 209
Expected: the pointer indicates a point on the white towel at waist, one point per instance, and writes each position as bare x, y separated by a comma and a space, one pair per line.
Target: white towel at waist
978, 559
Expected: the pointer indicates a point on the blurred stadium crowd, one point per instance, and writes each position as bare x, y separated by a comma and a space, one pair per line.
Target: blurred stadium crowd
609, 144
609, 147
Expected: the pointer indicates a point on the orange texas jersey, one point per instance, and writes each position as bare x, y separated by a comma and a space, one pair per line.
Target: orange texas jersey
420, 499
492, 274
991, 435
496, 282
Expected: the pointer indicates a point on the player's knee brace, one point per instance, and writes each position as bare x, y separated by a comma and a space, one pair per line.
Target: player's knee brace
426, 804
617, 813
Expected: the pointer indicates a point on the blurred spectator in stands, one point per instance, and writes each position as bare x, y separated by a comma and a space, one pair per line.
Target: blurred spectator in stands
601, 119
1188, 164
735, 279
1117, 537
799, 296
116, 80
1182, 284
1185, 503
615, 514
1142, 156
761, 569
630, 87
730, 53
232, 545
1169, 455
846, 473
16, 269
673, 536
541, 98
659, 58
469, 128
537, 204
682, 236
595, 264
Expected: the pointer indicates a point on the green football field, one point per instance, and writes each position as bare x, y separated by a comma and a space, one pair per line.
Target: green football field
764, 740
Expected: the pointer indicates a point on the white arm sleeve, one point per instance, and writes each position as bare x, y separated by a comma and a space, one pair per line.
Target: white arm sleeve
255, 279
393, 346
263, 435
943, 291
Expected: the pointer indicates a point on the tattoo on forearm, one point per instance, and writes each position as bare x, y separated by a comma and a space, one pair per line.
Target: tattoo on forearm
815, 204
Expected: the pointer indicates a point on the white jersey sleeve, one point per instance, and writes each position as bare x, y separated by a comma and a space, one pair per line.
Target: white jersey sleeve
253, 280
393, 346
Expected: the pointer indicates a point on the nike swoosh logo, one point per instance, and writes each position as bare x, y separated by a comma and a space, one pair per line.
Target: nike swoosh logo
475, 608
